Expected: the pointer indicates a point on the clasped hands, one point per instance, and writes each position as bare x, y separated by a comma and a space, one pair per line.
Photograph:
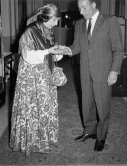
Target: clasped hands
59, 50
63, 50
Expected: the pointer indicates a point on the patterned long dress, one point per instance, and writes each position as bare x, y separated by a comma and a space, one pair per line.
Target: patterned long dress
34, 122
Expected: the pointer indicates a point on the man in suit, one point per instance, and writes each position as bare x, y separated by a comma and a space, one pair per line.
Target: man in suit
101, 54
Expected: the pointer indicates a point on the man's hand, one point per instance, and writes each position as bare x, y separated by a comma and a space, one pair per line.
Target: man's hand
112, 78
67, 50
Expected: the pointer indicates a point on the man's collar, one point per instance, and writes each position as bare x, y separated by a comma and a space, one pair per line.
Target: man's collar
94, 17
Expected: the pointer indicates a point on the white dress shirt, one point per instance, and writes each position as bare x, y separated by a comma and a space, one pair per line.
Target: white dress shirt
93, 21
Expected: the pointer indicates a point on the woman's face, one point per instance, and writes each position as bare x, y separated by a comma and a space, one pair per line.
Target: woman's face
53, 21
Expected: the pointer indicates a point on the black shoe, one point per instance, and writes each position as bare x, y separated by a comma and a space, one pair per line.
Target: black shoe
84, 137
99, 145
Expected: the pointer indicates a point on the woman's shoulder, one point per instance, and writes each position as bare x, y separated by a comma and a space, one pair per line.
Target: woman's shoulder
26, 34
33, 28
29, 29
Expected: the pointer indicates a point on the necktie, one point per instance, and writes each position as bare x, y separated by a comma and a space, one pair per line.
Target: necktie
89, 27
88, 30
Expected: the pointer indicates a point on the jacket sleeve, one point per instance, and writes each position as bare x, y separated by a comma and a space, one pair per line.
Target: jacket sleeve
75, 47
116, 44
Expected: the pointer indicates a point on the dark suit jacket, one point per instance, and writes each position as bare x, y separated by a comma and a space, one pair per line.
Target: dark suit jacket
105, 51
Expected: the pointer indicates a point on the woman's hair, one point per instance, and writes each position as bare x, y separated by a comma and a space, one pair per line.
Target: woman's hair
47, 12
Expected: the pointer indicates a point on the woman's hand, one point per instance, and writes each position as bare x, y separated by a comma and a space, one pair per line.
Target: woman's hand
67, 50
57, 50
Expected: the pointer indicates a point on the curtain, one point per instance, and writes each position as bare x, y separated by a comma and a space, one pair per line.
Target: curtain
67, 5
13, 13
1, 66
64, 5
126, 26
122, 8
16, 12
108, 7
18, 18
126, 9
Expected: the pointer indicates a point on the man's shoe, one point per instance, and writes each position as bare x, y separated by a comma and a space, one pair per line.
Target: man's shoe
99, 145
84, 137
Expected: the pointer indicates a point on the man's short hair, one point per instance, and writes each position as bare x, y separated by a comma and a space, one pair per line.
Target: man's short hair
97, 2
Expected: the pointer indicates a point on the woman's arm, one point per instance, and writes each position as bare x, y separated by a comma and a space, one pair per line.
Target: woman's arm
28, 52
35, 57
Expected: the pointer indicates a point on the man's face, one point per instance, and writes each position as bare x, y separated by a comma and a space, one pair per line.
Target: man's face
87, 9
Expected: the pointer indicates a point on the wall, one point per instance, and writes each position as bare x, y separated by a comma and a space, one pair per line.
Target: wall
108, 6
64, 5
14, 12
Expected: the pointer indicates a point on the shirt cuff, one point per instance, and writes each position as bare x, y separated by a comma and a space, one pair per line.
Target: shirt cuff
115, 72
57, 57
69, 51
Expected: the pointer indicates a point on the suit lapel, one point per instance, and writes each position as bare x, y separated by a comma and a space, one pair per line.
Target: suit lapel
98, 24
84, 26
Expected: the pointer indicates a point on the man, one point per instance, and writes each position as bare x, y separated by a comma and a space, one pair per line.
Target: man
101, 54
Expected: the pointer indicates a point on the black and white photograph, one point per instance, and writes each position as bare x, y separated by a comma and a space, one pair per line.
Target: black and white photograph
63, 82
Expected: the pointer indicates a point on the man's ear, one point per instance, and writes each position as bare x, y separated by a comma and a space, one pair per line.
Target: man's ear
94, 5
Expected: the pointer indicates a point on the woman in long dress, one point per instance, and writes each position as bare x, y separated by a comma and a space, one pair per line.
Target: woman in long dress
34, 122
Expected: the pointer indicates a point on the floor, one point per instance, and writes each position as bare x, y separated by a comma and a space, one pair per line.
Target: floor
67, 151
4, 109
4, 112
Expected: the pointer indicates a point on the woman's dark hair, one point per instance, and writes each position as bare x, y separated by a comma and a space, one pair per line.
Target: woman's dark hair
47, 12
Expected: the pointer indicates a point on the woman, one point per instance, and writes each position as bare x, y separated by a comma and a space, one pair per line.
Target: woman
34, 123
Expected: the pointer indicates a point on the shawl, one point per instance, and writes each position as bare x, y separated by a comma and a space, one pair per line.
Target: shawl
38, 37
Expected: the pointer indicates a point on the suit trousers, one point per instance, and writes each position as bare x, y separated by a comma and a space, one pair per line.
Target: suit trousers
96, 106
